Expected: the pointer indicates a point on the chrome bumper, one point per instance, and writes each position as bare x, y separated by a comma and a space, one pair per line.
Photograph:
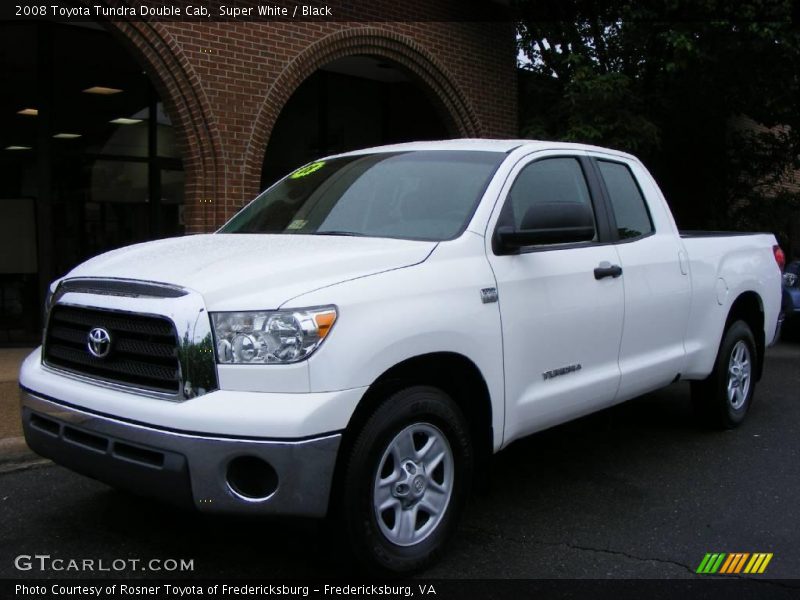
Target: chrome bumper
183, 468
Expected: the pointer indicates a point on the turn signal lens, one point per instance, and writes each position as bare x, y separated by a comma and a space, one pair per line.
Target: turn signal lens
324, 322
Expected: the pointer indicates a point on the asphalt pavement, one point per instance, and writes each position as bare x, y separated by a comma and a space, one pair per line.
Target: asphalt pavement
13, 450
636, 491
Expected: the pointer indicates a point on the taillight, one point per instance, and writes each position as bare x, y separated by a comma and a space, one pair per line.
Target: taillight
780, 257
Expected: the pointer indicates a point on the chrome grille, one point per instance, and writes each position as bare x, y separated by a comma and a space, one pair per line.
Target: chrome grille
143, 348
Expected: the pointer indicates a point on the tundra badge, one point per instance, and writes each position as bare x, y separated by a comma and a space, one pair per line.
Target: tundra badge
489, 295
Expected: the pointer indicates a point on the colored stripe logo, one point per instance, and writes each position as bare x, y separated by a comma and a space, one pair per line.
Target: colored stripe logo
734, 563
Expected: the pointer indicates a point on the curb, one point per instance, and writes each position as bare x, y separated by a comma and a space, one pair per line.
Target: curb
15, 455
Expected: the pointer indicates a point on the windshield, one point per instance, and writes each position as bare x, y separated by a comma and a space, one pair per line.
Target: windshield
426, 195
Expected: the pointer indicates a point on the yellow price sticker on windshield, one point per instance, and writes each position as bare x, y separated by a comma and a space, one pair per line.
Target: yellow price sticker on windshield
308, 169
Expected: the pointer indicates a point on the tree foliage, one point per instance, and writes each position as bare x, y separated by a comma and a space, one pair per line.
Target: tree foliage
670, 81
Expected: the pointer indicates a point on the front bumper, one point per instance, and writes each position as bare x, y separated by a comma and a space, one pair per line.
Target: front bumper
187, 469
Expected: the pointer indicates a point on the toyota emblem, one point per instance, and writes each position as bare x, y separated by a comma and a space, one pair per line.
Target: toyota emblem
99, 342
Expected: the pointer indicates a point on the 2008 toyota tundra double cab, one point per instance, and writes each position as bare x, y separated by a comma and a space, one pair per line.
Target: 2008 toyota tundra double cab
360, 337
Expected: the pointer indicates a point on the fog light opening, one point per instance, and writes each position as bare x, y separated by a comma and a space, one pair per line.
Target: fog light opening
251, 478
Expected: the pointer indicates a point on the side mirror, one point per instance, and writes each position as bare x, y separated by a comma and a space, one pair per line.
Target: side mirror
548, 223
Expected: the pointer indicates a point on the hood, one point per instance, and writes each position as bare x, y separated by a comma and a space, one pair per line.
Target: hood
255, 271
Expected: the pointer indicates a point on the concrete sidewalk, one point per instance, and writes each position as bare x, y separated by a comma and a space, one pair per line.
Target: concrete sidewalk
13, 449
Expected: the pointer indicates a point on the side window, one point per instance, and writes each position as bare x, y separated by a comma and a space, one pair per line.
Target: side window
541, 185
630, 208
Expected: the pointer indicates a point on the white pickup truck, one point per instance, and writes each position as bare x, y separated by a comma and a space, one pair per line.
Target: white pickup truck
360, 339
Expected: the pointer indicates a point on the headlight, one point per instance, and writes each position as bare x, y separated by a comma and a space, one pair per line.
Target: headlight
789, 279
270, 337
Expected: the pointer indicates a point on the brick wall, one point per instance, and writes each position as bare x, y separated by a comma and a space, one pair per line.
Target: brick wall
224, 84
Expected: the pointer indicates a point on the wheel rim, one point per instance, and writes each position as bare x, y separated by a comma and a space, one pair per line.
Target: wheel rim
413, 484
739, 372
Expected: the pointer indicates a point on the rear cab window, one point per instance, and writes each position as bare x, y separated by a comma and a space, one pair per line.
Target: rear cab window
627, 202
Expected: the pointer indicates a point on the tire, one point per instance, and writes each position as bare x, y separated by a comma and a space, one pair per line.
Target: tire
723, 399
414, 457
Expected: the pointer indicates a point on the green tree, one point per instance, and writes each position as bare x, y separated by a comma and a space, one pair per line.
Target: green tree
669, 81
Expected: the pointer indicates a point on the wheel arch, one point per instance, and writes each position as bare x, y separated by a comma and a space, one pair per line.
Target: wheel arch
453, 373
749, 307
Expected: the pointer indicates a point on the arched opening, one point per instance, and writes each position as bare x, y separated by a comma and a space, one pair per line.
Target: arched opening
88, 160
352, 102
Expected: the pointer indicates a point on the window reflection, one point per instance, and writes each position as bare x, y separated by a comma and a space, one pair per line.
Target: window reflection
88, 160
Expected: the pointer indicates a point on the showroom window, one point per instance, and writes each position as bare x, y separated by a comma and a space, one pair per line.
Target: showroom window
88, 161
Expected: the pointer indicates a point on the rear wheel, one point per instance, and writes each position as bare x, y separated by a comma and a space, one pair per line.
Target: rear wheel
406, 480
723, 399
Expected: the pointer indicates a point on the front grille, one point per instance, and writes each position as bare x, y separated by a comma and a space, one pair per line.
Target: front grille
143, 350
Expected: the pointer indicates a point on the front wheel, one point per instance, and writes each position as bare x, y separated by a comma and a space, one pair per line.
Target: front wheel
723, 399
407, 477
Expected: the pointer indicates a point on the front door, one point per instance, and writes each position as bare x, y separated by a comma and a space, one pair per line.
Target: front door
562, 325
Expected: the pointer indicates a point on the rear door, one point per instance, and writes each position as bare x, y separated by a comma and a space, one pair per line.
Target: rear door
655, 276
561, 325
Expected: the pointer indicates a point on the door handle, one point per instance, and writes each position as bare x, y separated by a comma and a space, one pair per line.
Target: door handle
606, 269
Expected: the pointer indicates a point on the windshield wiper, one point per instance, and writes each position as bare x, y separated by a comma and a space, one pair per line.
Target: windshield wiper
345, 233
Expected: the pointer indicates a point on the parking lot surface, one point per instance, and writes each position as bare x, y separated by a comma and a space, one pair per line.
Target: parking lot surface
638, 490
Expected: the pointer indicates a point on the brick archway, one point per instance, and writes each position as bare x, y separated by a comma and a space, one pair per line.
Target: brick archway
195, 129
452, 102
